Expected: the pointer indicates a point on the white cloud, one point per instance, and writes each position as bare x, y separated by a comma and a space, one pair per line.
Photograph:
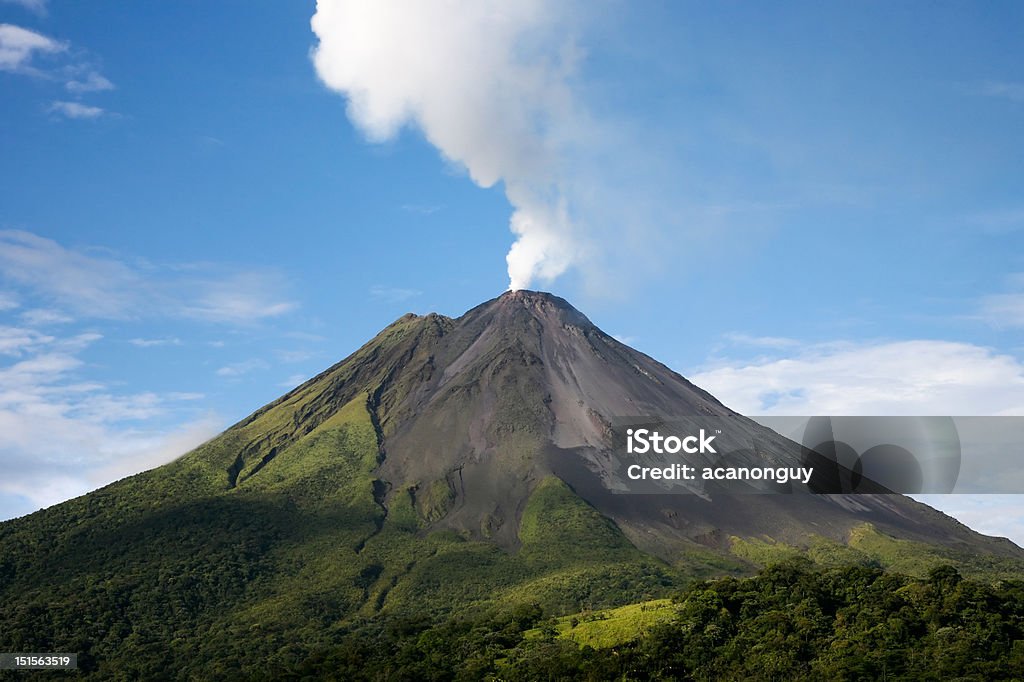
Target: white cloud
62, 433
893, 378
76, 110
150, 343
18, 46
761, 341
90, 82
98, 285
998, 515
78, 342
91, 285
44, 316
245, 297
18, 49
237, 369
61, 436
109, 408
17, 340
8, 301
185, 395
57, 458
142, 450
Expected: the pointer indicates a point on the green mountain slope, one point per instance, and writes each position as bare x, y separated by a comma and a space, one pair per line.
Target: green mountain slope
176, 565
447, 469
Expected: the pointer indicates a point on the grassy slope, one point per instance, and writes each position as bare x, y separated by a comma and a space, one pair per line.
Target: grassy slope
609, 627
173, 565
867, 546
172, 555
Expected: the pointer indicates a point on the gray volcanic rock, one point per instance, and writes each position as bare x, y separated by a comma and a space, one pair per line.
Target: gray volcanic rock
474, 411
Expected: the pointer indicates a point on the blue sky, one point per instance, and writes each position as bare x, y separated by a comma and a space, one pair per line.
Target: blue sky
804, 209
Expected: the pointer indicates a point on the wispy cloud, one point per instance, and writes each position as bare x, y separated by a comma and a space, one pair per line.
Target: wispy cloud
291, 356
185, 395
150, 343
36, 6
19, 45
761, 341
45, 316
209, 141
99, 285
92, 285
999, 515
920, 377
243, 297
237, 369
393, 294
76, 110
1003, 310
42, 461
8, 301
293, 381
62, 435
19, 49
91, 81
17, 341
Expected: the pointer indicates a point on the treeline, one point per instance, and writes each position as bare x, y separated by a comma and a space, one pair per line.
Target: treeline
791, 622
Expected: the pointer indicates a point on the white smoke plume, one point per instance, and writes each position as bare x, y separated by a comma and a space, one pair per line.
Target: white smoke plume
487, 82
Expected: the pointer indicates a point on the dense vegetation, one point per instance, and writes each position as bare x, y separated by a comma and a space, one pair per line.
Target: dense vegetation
302, 572
206, 574
188, 572
792, 621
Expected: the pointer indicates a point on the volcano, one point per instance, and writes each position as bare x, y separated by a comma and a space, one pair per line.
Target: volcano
448, 465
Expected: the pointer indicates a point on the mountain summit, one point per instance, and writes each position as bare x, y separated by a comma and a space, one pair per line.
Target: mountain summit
448, 464
473, 413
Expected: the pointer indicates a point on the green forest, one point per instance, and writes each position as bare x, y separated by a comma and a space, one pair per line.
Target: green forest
793, 621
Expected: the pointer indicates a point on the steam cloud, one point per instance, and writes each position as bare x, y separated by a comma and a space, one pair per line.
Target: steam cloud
488, 82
